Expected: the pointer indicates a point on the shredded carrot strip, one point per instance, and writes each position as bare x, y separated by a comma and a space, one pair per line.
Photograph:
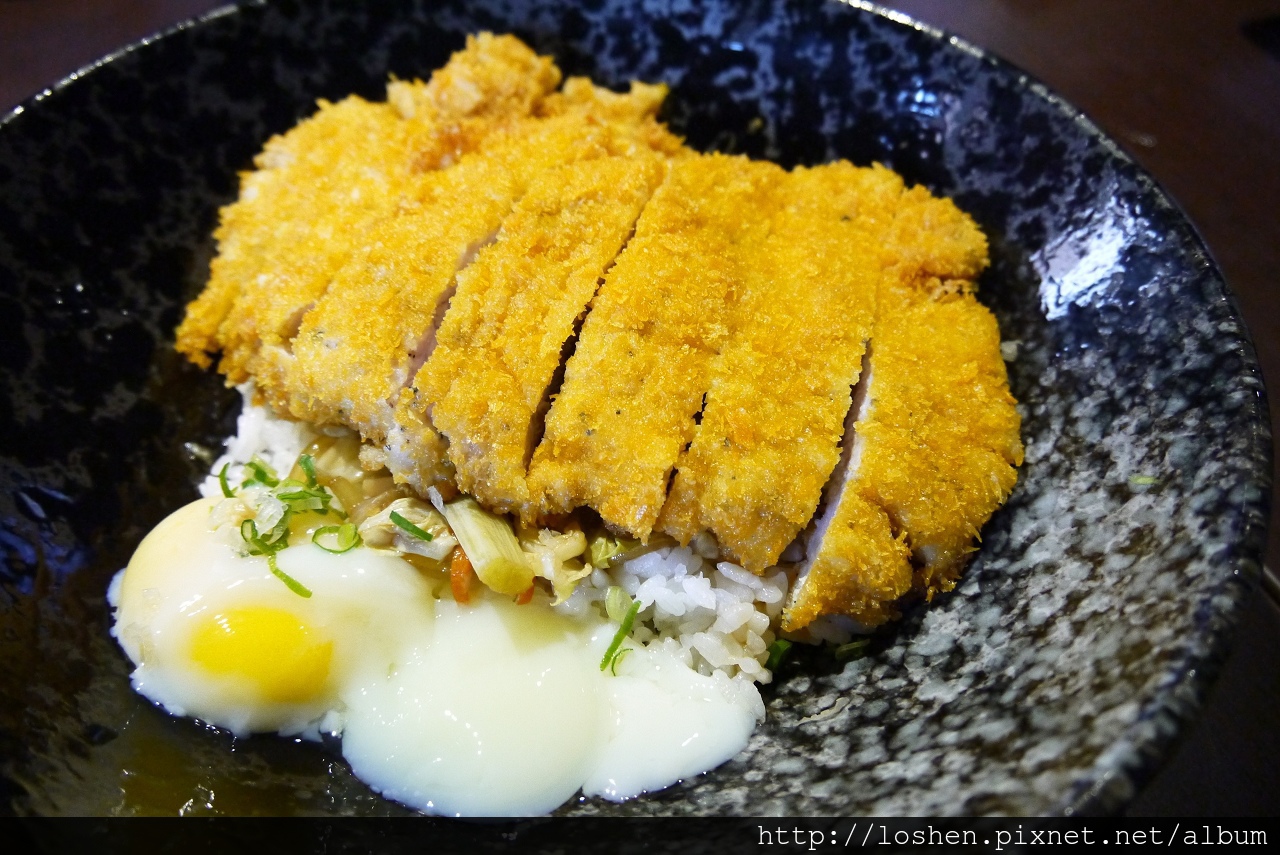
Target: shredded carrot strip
460, 575
524, 598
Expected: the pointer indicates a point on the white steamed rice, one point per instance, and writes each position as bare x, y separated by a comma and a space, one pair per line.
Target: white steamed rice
714, 616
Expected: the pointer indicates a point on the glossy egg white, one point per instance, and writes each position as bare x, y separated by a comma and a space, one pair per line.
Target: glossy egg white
487, 708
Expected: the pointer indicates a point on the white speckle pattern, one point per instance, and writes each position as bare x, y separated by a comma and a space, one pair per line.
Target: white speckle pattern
1052, 680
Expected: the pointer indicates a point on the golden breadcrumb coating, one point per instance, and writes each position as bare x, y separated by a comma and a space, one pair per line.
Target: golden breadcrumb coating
356, 348
282, 226
638, 107
931, 239
494, 76
636, 380
942, 439
319, 187
368, 335
500, 344
861, 572
934, 448
415, 270
780, 388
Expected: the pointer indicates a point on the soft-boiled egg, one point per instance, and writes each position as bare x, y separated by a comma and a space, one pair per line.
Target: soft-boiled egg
483, 708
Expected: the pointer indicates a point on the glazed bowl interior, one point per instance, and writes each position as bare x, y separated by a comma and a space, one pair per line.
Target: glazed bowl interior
1051, 680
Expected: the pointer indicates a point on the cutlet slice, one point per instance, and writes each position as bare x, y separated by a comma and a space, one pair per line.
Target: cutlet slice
929, 453
319, 187
376, 325
278, 232
770, 432
856, 565
358, 346
514, 312
943, 417
642, 364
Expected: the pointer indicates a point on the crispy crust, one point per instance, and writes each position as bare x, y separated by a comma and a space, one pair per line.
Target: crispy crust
780, 388
515, 309
722, 345
939, 413
319, 187
636, 380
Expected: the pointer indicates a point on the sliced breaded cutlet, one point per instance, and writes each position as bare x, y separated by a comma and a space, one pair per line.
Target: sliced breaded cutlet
770, 433
375, 326
542, 298
930, 448
319, 187
499, 347
636, 380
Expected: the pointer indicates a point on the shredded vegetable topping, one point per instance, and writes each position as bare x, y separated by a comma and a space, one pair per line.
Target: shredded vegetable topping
270, 506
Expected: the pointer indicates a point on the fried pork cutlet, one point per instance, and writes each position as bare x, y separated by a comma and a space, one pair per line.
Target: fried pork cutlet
418, 270
636, 380
412, 448
501, 342
770, 432
375, 325
319, 187
930, 449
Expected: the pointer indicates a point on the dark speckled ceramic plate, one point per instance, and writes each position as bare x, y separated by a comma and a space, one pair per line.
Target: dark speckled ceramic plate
1052, 680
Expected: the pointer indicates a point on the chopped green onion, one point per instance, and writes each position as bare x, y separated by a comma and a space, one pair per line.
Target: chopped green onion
300, 497
269, 548
603, 549
617, 657
273, 541
261, 473
853, 650
291, 583
778, 651
405, 525
222, 482
1143, 480
249, 532
623, 631
308, 464
345, 537
616, 603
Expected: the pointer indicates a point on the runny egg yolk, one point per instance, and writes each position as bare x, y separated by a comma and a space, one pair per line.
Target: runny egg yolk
276, 655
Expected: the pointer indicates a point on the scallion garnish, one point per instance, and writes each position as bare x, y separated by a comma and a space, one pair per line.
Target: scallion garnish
300, 497
853, 650
297, 497
291, 583
260, 473
778, 651
222, 482
623, 631
263, 545
617, 657
344, 537
405, 525
308, 464
616, 603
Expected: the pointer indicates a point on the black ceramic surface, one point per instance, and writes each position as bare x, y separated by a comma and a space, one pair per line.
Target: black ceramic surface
1051, 680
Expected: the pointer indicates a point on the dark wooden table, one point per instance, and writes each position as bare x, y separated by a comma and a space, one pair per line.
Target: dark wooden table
1191, 89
